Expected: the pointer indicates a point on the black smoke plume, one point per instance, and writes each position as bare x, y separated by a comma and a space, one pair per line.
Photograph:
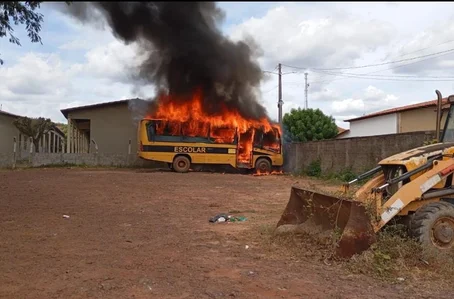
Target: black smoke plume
184, 50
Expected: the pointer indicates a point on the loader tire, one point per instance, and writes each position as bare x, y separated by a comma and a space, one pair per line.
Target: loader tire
181, 164
433, 225
263, 165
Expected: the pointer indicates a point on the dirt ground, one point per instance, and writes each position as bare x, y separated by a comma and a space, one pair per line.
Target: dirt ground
146, 234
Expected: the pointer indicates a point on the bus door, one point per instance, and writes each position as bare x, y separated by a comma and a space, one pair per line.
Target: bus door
245, 148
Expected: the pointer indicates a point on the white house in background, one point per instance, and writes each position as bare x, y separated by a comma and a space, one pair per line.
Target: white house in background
410, 118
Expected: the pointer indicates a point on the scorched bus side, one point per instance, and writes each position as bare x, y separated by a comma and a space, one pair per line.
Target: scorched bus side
170, 142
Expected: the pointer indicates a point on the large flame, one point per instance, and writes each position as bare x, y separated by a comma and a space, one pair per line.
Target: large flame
189, 118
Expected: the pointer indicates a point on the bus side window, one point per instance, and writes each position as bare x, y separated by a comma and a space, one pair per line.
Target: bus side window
278, 136
235, 137
195, 132
258, 138
271, 141
167, 131
223, 135
151, 132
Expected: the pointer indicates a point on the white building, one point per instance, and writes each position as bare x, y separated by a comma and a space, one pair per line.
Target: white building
410, 118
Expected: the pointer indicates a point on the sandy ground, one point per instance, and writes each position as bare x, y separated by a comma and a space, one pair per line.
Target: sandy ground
145, 234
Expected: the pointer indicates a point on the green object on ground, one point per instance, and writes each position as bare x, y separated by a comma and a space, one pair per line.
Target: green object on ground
237, 219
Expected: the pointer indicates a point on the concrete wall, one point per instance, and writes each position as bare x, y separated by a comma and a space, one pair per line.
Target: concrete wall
111, 127
92, 159
423, 119
379, 125
357, 154
6, 160
7, 132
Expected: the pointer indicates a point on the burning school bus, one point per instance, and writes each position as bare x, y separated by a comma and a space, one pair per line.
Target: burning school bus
183, 134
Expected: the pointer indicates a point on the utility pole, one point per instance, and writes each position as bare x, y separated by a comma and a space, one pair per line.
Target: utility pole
306, 85
280, 102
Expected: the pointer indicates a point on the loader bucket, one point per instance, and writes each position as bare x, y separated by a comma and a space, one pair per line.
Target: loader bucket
319, 214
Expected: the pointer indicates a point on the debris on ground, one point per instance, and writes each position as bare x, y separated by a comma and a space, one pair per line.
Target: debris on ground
237, 219
223, 217
219, 218
66, 216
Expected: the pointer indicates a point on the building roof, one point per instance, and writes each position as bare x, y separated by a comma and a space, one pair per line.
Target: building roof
8, 114
105, 104
344, 131
15, 116
340, 130
58, 130
399, 109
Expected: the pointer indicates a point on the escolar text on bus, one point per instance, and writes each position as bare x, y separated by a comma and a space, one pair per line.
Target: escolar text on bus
189, 149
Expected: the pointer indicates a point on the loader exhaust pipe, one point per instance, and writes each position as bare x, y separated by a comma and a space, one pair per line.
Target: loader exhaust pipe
439, 103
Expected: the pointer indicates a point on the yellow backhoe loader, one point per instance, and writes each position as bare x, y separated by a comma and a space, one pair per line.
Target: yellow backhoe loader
415, 185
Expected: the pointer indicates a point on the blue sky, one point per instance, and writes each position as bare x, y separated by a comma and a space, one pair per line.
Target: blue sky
79, 64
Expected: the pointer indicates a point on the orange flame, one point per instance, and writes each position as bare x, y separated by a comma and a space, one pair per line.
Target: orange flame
274, 172
190, 119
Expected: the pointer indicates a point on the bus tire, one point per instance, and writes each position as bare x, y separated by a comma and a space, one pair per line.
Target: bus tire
181, 164
263, 165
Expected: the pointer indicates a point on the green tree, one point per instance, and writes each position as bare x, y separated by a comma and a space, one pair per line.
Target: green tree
309, 124
21, 12
34, 128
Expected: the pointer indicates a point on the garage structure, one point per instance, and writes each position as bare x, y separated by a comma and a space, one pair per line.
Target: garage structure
109, 127
7, 131
51, 142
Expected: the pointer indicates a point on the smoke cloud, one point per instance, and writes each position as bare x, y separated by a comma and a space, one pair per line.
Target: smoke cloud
183, 50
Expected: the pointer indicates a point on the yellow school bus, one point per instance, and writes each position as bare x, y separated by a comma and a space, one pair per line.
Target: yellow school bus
180, 144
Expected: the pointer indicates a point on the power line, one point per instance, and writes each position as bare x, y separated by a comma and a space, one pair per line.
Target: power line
390, 62
271, 89
402, 65
295, 67
394, 79
377, 64
270, 72
325, 73
278, 73
443, 43
390, 68
389, 76
446, 42
410, 78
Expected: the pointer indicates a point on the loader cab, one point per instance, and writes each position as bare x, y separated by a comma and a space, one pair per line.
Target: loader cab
448, 130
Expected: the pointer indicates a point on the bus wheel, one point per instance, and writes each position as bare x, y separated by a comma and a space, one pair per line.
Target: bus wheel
263, 165
181, 164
